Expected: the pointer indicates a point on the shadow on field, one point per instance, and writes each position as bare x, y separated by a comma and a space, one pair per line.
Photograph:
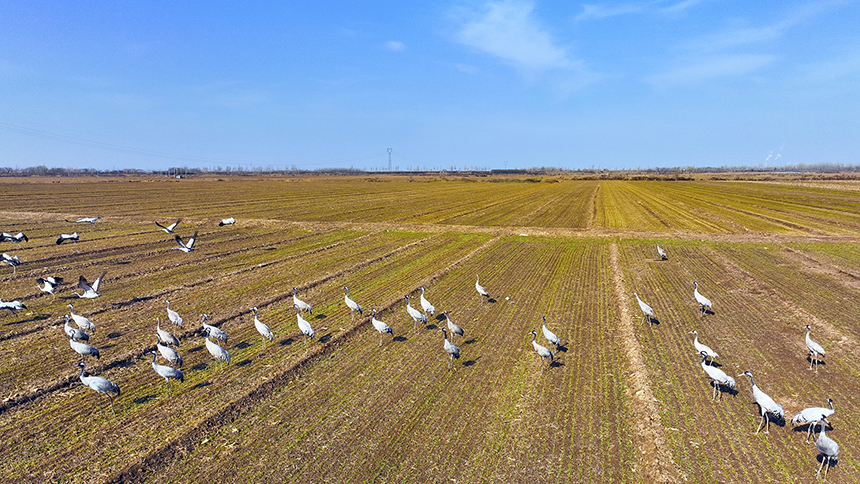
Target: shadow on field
556, 364
709, 312
804, 428
145, 399
471, 362
725, 389
400, 339
131, 301
115, 334
491, 300
195, 349
200, 366
286, 341
440, 317
471, 341
244, 362
817, 361
325, 338
654, 321
202, 384
320, 316
242, 345
431, 326
561, 348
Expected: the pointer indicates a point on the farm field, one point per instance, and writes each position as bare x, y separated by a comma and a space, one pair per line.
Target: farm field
623, 400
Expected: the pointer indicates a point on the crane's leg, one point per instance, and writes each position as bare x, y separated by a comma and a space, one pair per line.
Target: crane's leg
808, 432
451, 362
759, 425
100, 401
380, 341
827, 468
823, 458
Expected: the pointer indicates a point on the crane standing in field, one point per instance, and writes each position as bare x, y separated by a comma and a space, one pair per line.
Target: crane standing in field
100, 385
648, 313
84, 349
482, 293
718, 377
352, 305
415, 314
264, 330
166, 372
702, 300
542, 351
453, 351
173, 316
304, 325
815, 350
213, 331
766, 405
428, 308
13, 261
82, 321
74, 333
550, 336
661, 253
812, 416
700, 348
165, 335
380, 326
217, 352
827, 447
168, 353
453, 327
301, 304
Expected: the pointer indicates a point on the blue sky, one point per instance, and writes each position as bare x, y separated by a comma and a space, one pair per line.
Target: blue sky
487, 84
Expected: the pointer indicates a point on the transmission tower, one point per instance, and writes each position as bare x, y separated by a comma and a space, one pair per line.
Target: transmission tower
389, 159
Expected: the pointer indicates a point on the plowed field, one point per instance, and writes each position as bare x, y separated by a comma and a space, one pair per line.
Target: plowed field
622, 401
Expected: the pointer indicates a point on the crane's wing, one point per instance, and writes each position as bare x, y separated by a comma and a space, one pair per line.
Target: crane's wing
191, 241
174, 224
98, 282
179, 241
84, 285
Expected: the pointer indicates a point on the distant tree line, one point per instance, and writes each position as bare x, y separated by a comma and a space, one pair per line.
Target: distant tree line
676, 172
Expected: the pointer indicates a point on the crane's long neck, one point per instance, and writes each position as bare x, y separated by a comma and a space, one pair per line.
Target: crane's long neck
830, 403
821, 434
82, 372
695, 339
445, 334
153, 358
752, 383
534, 337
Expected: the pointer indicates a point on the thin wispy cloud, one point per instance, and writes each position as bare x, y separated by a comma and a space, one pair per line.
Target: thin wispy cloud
603, 11
395, 46
711, 68
508, 30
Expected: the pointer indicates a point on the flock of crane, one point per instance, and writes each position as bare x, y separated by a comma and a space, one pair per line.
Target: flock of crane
167, 343
813, 416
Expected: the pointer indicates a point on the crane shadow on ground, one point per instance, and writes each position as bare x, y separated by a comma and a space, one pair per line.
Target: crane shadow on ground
724, 389
400, 339
556, 364
319, 316
833, 462
114, 334
242, 345
708, 312
654, 321
804, 428
325, 338
431, 326
286, 341
34, 318
561, 348
202, 384
145, 399
132, 301
470, 341
244, 362
200, 366
472, 362
195, 349
817, 361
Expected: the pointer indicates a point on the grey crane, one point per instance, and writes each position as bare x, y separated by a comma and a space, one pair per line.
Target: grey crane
13, 261
166, 372
542, 351
766, 405
702, 300
73, 237
74, 333
453, 327
700, 348
827, 447
100, 385
812, 416
304, 326
353, 306
718, 377
380, 326
662, 253
213, 331
453, 351
301, 304
415, 314
85, 220
482, 293
217, 352
264, 330
227, 221
428, 308
13, 306
90, 291
186, 247
167, 352
168, 229
7, 237
549, 335
173, 316
50, 284
82, 321
815, 350
84, 349
165, 335
648, 313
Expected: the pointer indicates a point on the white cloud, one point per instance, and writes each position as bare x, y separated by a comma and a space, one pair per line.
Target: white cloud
600, 11
507, 29
395, 45
711, 68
